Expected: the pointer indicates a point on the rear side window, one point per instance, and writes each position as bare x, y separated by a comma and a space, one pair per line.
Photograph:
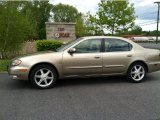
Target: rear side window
117, 45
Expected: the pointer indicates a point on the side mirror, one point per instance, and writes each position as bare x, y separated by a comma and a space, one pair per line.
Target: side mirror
72, 50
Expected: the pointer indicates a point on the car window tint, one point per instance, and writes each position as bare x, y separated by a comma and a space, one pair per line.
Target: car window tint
115, 45
89, 46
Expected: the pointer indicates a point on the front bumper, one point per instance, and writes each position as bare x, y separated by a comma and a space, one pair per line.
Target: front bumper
17, 72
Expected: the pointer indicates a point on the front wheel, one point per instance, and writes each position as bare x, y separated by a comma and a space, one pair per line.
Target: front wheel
43, 76
136, 72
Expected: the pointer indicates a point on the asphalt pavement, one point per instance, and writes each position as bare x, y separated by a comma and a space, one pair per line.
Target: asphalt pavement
107, 98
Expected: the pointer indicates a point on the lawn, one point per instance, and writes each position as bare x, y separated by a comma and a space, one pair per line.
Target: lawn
3, 65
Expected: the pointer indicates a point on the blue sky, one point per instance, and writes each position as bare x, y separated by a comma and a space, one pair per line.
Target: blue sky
146, 10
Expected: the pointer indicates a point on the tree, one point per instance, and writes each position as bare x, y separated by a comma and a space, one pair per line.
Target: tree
64, 13
14, 28
80, 27
38, 12
116, 16
136, 30
92, 25
151, 33
85, 26
67, 13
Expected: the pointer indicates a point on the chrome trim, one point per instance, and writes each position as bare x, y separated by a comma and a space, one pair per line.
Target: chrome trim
93, 75
113, 66
152, 63
87, 67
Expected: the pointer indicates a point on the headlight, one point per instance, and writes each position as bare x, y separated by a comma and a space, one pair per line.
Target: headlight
16, 62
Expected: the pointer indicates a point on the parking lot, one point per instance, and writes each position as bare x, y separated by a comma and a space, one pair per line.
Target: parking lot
110, 98
107, 98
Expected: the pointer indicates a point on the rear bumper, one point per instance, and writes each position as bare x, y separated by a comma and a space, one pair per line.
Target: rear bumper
153, 67
17, 72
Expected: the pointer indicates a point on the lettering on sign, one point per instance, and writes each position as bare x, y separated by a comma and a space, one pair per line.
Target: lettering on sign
57, 35
62, 34
60, 29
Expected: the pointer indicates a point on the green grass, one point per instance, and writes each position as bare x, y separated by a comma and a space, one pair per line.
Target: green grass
3, 65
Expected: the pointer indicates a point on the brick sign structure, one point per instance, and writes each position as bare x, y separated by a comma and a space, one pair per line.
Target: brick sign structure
60, 31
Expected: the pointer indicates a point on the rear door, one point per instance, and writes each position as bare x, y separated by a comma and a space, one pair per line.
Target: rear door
117, 55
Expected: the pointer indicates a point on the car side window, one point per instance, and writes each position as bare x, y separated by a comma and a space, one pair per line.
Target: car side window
89, 46
117, 45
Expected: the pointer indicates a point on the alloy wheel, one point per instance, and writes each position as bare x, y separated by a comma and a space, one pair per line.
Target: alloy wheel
137, 72
44, 77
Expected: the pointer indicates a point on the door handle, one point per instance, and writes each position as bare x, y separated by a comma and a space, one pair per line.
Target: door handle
97, 57
129, 55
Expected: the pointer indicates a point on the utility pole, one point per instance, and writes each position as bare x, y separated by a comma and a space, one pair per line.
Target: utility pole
157, 20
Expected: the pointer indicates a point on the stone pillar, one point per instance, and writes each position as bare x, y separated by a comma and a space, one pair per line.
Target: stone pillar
60, 31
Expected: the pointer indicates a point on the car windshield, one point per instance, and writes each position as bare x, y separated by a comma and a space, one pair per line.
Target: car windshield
69, 44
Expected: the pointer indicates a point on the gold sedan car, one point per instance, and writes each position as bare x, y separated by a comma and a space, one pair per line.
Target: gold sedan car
86, 57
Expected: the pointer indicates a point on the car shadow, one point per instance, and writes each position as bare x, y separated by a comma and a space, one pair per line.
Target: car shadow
17, 84
20, 84
91, 81
14, 84
102, 80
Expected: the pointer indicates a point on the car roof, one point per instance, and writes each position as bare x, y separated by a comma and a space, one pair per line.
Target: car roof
96, 37
88, 37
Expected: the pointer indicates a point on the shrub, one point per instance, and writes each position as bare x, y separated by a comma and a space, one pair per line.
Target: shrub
3, 65
44, 45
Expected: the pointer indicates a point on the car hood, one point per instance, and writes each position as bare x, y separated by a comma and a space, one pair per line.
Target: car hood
43, 53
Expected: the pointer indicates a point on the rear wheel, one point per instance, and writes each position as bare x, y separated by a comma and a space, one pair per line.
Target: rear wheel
43, 76
136, 72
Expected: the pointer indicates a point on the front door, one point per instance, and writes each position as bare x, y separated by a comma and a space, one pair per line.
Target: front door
87, 60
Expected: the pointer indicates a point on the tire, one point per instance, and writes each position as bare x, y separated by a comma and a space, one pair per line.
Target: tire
137, 72
43, 76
